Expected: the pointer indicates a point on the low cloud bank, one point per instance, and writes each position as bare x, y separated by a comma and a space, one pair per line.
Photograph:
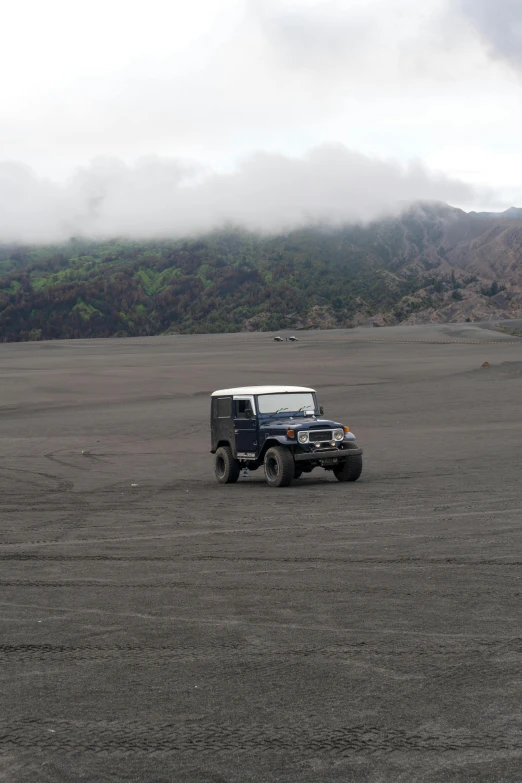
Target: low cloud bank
158, 197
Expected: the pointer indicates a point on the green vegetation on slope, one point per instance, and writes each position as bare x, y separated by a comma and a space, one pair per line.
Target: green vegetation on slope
232, 280
226, 282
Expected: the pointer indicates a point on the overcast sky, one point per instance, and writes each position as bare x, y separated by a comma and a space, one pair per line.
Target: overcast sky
169, 116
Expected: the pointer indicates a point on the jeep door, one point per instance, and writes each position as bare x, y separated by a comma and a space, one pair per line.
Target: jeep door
222, 421
245, 426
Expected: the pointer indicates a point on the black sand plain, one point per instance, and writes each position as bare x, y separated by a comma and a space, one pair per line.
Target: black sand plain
156, 626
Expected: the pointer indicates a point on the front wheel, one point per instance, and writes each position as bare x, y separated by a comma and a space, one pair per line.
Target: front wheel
226, 467
349, 470
279, 467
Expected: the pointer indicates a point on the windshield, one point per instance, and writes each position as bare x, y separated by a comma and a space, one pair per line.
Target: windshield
286, 403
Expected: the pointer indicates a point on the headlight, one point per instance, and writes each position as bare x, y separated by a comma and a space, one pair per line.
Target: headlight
338, 434
302, 437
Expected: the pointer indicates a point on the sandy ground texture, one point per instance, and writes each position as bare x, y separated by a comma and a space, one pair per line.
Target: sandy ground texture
157, 626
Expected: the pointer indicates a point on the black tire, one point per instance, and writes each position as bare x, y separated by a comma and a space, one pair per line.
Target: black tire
226, 467
349, 470
279, 467
298, 472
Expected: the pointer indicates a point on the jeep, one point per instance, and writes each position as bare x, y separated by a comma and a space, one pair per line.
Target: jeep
282, 429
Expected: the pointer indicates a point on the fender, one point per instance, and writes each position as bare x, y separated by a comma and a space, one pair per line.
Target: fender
221, 443
275, 440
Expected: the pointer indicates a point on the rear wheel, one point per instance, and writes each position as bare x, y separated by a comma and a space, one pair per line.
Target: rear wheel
226, 467
279, 467
349, 470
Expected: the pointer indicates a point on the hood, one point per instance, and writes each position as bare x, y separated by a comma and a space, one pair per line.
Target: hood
308, 423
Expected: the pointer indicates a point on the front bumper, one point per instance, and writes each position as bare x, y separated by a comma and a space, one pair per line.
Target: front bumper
317, 456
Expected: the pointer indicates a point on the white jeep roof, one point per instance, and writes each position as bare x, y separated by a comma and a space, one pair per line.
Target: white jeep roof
244, 390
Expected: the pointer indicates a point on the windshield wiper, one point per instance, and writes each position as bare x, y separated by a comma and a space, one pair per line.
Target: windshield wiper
280, 410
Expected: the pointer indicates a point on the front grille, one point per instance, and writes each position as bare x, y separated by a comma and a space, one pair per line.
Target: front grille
320, 436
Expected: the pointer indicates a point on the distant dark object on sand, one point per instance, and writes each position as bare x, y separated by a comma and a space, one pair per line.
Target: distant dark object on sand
505, 370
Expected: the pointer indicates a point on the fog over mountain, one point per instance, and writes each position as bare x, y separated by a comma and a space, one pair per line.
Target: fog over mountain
158, 197
271, 114
433, 263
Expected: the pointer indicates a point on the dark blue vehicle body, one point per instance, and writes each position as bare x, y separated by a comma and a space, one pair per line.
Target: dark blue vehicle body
237, 422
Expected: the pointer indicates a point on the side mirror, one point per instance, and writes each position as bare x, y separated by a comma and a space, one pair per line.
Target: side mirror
249, 413
321, 410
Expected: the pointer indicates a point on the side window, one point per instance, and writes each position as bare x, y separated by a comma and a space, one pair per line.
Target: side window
242, 408
224, 408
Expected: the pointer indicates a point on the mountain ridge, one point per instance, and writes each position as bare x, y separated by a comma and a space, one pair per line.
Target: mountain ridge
431, 264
